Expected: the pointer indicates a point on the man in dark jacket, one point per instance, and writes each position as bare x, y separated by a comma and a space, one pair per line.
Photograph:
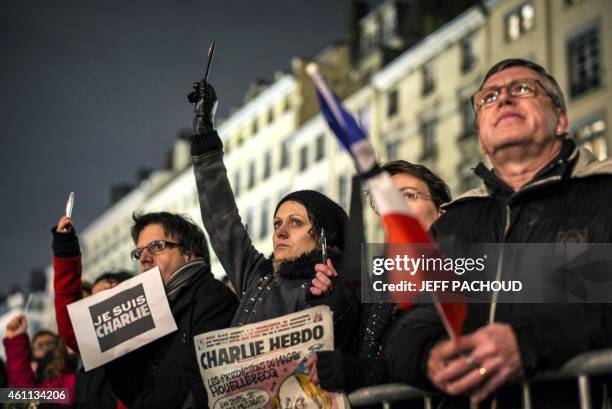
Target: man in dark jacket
165, 372
542, 189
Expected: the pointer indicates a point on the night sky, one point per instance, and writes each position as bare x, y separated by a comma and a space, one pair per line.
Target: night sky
93, 91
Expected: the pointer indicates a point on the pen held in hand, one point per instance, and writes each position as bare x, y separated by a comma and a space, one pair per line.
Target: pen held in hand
323, 247
69, 205
211, 53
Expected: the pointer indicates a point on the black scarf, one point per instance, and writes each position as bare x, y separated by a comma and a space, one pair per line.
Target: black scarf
183, 277
303, 266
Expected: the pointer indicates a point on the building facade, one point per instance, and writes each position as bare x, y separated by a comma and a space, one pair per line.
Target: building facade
415, 106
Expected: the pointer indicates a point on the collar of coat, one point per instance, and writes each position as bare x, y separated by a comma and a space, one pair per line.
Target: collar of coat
572, 162
303, 266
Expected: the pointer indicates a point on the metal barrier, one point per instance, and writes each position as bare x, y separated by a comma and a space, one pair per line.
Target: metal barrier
580, 367
388, 393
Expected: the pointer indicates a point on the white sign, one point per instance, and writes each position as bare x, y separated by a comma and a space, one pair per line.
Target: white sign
263, 365
116, 321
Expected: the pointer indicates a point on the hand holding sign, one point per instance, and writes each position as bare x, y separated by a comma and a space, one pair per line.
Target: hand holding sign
119, 320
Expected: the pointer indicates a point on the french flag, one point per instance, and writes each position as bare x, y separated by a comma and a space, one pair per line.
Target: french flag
400, 225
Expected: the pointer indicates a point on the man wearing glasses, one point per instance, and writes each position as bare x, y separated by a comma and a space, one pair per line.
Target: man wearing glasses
541, 189
163, 373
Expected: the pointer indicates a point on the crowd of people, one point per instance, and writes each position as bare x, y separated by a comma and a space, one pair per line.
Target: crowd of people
540, 188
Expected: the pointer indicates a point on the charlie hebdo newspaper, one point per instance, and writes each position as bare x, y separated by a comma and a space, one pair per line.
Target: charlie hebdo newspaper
263, 365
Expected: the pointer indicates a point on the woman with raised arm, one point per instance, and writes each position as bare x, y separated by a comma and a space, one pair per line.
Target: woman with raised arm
284, 282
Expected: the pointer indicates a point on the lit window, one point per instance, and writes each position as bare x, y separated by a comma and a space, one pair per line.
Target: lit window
527, 15
514, 27
519, 21
592, 135
238, 138
363, 117
584, 62
468, 54
369, 37
429, 82
392, 103
284, 159
303, 157
389, 24
428, 132
270, 115
287, 104
252, 169
267, 165
320, 147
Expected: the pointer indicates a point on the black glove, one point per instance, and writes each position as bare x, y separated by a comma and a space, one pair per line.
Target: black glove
205, 99
65, 244
338, 371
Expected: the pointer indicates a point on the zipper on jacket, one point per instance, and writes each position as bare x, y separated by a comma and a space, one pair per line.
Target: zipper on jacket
498, 272
500, 261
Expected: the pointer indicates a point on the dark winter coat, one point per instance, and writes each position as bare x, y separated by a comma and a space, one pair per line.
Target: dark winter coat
263, 294
571, 197
164, 372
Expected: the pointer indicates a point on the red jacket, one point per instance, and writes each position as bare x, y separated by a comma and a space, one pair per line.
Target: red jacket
67, 286
18, 367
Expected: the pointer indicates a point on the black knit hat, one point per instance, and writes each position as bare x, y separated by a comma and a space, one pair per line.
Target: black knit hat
327, 214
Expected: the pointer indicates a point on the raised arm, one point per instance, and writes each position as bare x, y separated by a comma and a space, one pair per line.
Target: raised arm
228, 236
17, 346
67, 277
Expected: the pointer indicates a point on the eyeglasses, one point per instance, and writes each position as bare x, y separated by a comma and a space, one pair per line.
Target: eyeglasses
520, 88
409, 195
48, 346
153, 247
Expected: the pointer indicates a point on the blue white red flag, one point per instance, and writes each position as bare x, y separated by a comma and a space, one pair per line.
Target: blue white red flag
400, 224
